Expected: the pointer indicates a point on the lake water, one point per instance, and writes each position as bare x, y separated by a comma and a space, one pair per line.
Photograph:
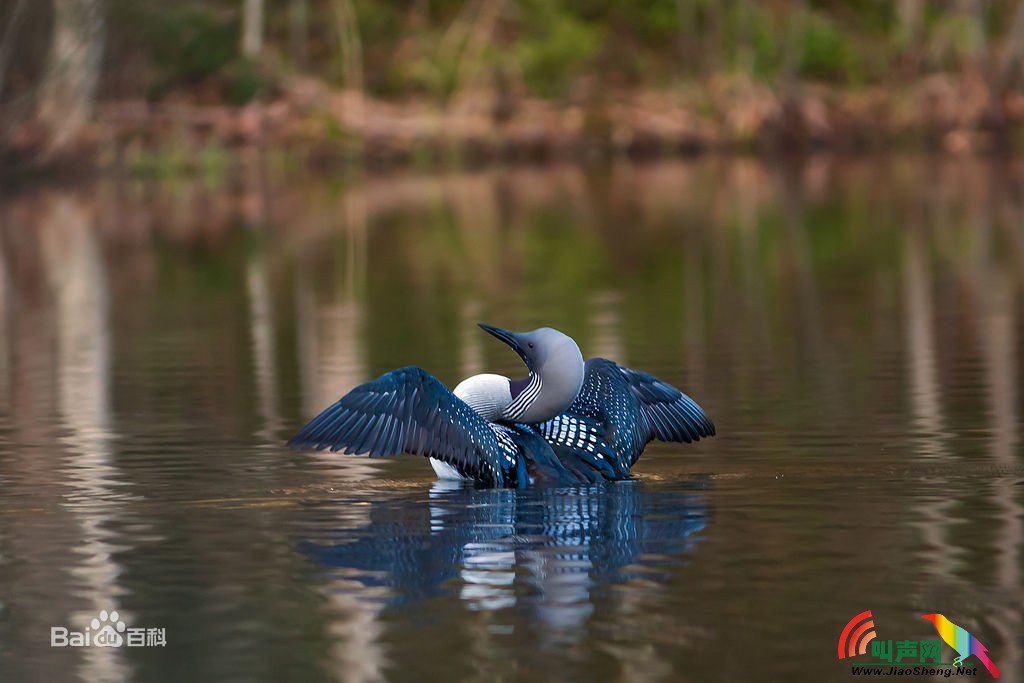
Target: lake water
854, 329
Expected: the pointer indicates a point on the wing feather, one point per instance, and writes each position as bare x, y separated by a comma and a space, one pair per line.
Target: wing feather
409, 411
673, 415
633, 408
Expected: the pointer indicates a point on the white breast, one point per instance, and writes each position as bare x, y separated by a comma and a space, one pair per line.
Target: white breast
488, 395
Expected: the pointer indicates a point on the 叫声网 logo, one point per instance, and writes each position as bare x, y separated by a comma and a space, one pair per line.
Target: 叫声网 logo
855, 637
108, 630
912, 656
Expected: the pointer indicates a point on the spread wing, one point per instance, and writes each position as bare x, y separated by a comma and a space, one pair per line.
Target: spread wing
410, 411
632, 408
671, 414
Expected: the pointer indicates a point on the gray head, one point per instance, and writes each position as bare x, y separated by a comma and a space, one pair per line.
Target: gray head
556, 367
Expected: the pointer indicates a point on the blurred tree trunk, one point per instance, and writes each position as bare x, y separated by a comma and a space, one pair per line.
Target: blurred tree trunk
252, 28
792, 53
791, 131
910, 15
470, 62
351, 45
686, 21
712, 36
351, 53
7, 38
974, 10
298, 31
68, 90
1004, 76
743, 55
1014, 49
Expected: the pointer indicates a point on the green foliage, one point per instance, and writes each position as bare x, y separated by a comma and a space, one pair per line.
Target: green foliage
381, 27
554, 47
952, 39
242, 81
187, 44
878, 17
430, 72
541, 47
766, 45
651, 22
334, 129
826, 51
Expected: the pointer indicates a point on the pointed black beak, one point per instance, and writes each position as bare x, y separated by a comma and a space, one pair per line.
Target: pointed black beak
513, 339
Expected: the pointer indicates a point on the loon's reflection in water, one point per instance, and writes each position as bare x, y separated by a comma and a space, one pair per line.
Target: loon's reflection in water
539, 550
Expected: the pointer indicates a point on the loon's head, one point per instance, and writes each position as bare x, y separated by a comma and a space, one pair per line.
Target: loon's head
556, 371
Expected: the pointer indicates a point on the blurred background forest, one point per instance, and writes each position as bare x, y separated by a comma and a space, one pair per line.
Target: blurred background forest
422, 81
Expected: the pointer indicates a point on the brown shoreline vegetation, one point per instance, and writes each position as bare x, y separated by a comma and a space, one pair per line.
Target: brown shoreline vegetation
137, 84
731, 114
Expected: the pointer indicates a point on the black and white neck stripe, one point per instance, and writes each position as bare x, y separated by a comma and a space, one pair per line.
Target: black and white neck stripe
524, 399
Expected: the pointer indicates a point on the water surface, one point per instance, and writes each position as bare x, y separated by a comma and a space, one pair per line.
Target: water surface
854, 329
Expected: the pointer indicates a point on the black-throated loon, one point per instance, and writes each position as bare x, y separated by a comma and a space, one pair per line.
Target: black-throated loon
568, 421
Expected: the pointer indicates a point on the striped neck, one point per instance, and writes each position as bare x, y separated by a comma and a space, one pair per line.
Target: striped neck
524, 392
